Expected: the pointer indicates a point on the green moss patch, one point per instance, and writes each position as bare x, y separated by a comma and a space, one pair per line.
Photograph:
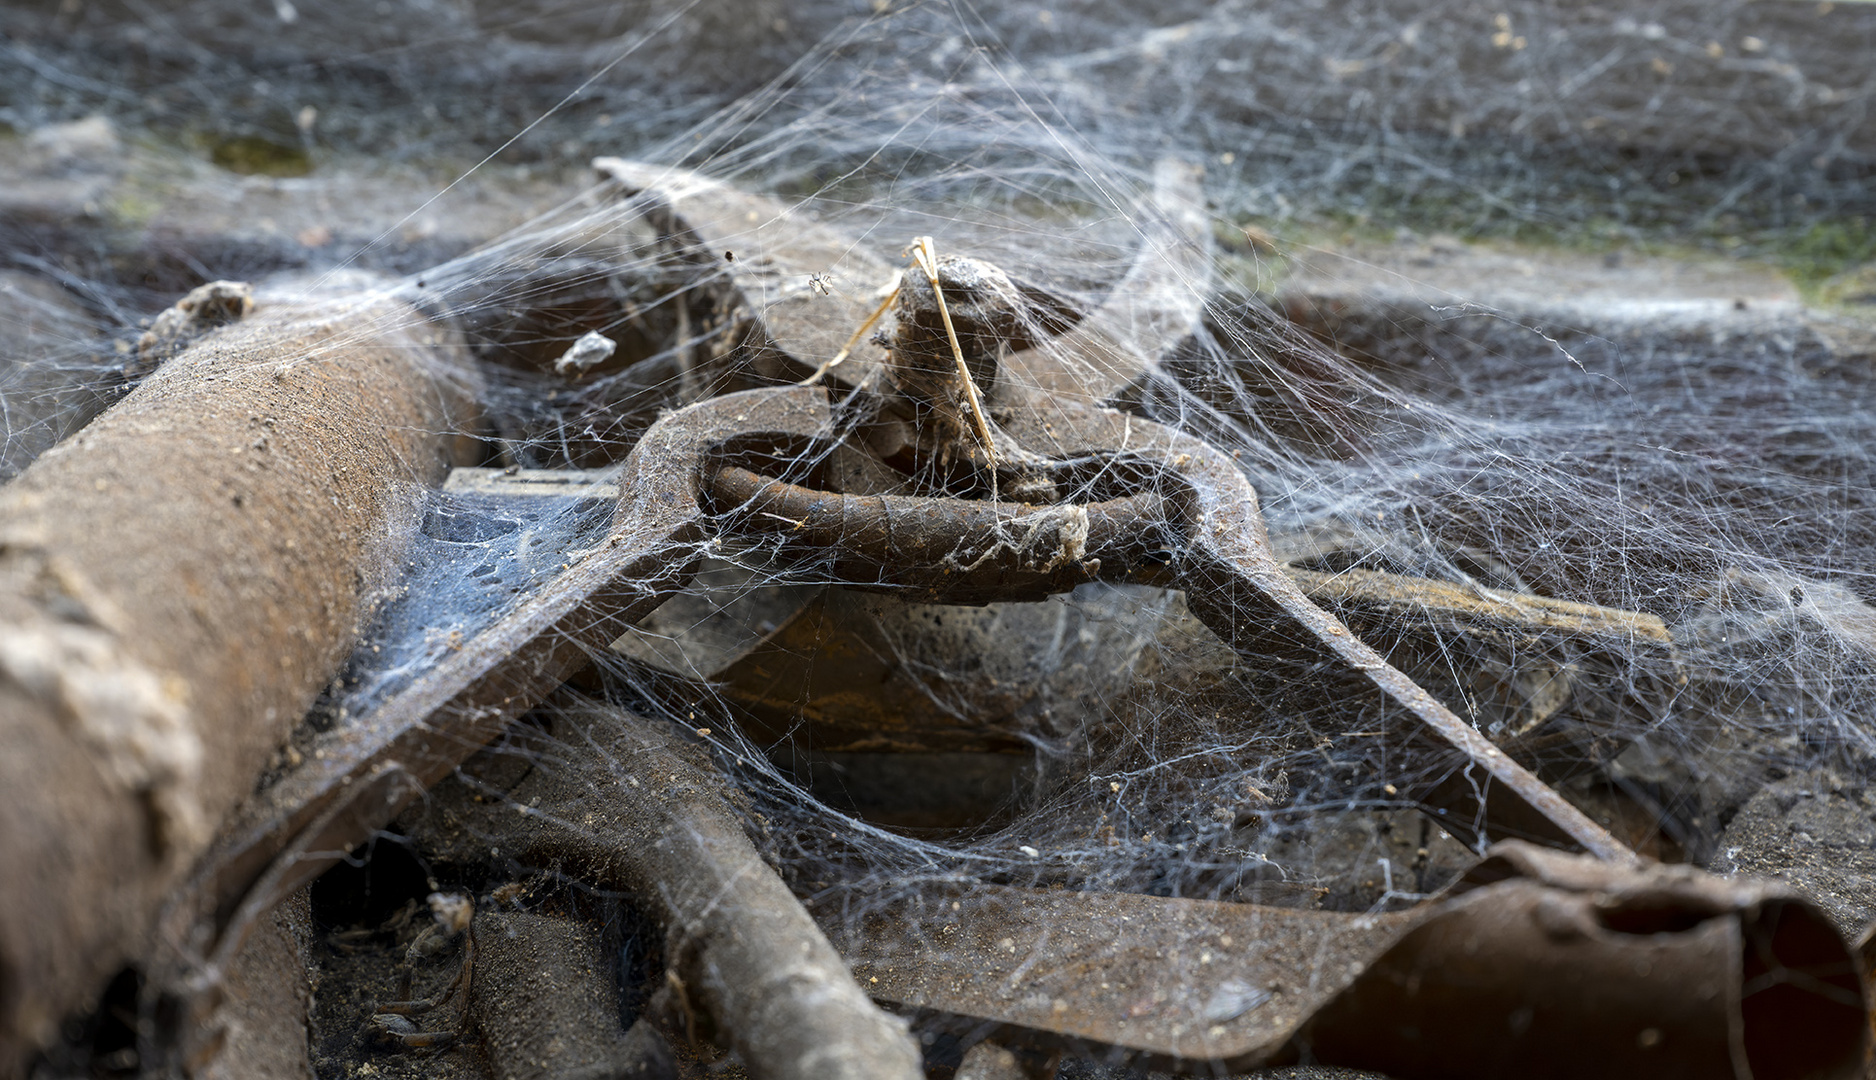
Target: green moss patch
251, 155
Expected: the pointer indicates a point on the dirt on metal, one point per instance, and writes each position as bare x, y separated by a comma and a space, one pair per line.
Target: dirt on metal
177, 584
630, 804
1535, 963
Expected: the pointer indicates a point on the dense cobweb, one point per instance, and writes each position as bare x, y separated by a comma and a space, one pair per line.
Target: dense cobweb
1705, 477
1711, 477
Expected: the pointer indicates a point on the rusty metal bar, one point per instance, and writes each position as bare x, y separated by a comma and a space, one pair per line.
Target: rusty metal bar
1237, 589
946, 550
177, 582
630, 804
1377, 595
1557, 688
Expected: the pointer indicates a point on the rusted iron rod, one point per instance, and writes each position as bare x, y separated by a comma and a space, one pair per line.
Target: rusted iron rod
177, 582
627, 803
955, 550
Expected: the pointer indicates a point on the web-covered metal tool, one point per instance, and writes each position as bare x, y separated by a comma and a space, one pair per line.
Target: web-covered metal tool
921, 474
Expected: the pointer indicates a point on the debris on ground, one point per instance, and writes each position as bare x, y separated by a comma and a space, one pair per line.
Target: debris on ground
876, 591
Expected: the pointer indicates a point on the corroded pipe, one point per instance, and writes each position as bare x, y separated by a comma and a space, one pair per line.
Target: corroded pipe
1544, 965
177, 582
628, 804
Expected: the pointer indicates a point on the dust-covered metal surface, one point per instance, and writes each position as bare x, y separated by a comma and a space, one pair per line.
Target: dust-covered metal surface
440, 714
1177, 514
1580, 484
1536, 963
180, 580
634, 807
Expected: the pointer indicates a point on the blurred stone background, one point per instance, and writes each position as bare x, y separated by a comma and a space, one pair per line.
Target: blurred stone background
1740, 128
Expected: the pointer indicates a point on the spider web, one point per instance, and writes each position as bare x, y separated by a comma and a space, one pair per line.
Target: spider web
1432, 329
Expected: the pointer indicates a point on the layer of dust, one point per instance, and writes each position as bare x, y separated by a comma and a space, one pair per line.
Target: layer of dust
1816, 830
268, 1001
137, 725
276, 453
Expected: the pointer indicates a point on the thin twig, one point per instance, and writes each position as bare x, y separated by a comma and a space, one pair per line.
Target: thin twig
927, 259
892, 293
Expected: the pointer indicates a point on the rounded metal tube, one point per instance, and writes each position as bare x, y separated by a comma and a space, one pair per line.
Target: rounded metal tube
177, 583
958, 551
627, 803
